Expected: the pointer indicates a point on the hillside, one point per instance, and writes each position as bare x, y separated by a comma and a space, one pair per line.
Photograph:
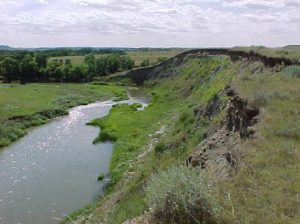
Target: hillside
233, 116
291, 51
4, 47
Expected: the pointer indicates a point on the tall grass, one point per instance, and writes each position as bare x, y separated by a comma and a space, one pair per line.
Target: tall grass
182, 195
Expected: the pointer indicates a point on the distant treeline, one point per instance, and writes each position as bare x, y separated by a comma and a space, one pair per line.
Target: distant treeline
57, 52
25, 66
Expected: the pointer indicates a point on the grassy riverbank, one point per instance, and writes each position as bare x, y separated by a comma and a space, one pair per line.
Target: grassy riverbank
25, 106
262, 186
171, 108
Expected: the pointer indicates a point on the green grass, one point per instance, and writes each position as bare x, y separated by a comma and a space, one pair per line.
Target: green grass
75, 59
131, 132
152, 55
172, 105
25, 106
266, 187
137, 56
291, 52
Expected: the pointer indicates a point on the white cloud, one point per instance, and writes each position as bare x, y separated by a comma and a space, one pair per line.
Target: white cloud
149, 22
42, 1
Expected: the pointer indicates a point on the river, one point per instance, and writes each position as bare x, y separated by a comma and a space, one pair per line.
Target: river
53, 170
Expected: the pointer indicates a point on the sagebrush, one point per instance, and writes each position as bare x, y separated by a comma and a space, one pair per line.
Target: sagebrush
182, 194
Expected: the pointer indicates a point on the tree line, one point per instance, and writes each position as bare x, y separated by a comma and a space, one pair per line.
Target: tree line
35, 67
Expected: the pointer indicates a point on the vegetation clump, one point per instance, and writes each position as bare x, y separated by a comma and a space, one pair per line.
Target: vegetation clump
145, 63
101, 177
292, 71
136, 106
182, 195
35, 67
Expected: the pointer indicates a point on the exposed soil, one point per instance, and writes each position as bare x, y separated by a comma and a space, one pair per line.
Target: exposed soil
221, 150
168, 68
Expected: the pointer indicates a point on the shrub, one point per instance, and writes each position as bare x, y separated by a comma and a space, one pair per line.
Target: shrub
135, 106
145, 63
292, 71
182, 195
160, 147
106, 136
101, 177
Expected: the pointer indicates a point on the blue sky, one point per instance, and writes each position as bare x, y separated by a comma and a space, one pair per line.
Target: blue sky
151, 23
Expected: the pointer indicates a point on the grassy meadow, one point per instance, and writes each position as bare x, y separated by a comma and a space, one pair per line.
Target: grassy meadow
24, 106
266, 188
138, 56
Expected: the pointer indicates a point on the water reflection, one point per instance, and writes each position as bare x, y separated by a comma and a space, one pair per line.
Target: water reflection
53, 170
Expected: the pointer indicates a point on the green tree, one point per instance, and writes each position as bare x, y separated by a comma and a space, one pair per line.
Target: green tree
101, 66
9, 69
54, 71
79, 73
126, 63
68, 61
41, 60
113, 63
28, 69
89, 60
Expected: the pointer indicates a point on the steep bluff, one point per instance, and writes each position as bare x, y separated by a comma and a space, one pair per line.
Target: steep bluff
167, 68
232, 114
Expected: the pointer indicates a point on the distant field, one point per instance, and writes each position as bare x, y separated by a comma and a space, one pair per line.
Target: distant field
137, 56
25, 106
153, 56
27, 99
291, 52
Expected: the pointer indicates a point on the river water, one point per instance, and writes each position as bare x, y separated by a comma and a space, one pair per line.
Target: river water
53, 170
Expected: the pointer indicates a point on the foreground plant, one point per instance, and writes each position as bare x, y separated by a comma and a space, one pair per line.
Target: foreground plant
182, 195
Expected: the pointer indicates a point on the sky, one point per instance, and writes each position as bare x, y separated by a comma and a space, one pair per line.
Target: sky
149, 23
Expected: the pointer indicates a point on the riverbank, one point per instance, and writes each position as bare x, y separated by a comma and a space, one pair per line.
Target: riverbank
235, 120
30, 196
27, 106
150, 140
53, 169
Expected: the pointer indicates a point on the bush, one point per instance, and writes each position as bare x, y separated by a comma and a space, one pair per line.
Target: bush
292, 71
101, 177
135, 106
145, 63
106, 136
182, 195
160, 147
